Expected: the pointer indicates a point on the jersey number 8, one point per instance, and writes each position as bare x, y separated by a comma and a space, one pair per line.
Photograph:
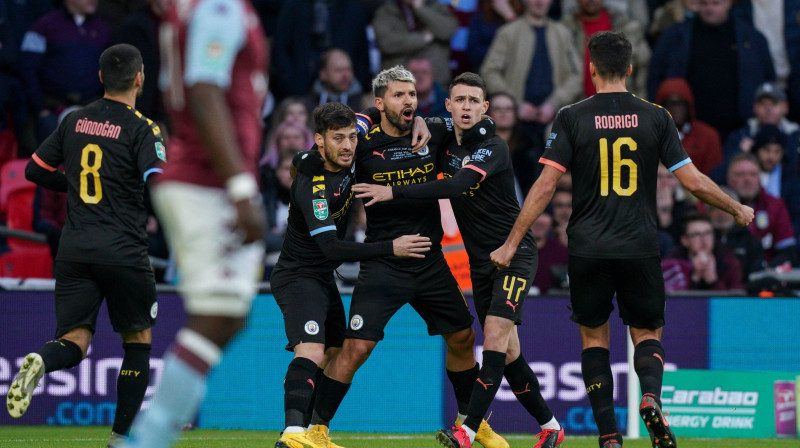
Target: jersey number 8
616, 167
94, 170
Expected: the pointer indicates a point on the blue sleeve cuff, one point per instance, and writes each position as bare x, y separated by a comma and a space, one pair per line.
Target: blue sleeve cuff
322, 229
683, 162
151, 171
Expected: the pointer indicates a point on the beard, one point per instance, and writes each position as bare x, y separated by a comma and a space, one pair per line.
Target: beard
397, 121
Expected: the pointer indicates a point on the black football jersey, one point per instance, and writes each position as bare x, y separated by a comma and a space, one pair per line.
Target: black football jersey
612, 143
107, 149
318, 203
487, 211
385, 160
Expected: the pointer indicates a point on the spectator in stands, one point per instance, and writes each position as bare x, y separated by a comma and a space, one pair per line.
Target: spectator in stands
15, 19
770, 107
772, 225
671, 13
552, 254
290, 136
778, 21
524, 152
140, 30
534, 59
592, 16
49, 214
701, 141
723, 59
292, 109
707, 265
335, 82
430, 94
483, 25
58, 61
778, 175
277, 205
635, 10
562, 210
736, 238
305, 30
406, 28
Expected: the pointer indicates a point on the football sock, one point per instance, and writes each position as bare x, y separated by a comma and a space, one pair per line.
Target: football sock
648, 360
182, 387
462, 387
485, 387
134, 376
525, 385
610, 438
298, 388
310, 409
60, 354
330, 394
596, 369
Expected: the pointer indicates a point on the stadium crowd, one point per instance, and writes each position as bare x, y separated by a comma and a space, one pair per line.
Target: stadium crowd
726, 70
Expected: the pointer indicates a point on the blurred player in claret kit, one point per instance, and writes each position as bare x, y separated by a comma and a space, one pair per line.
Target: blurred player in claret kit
214, 58
613, 143
109, 150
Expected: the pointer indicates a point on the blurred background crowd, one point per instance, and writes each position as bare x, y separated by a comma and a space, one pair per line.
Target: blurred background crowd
727, 70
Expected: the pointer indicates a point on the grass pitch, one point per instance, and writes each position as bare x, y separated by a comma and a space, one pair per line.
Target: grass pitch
91, 437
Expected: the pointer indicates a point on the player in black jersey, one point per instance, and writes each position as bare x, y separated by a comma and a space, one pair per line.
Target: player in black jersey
108, 150
479, 180
302, 282
385, 157
613, 143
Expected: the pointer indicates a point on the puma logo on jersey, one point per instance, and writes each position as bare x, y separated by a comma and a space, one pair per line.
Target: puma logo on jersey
513, 307
380, 154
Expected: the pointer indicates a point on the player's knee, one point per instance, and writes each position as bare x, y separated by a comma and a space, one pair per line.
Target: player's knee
137, 337
356, 351
461, 342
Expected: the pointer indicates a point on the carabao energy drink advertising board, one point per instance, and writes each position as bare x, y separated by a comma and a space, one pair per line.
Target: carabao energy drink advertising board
713, 403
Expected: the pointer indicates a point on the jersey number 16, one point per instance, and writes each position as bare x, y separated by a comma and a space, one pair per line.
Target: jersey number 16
616, 167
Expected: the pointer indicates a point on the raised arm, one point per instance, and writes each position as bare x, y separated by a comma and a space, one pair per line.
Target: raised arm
707, 191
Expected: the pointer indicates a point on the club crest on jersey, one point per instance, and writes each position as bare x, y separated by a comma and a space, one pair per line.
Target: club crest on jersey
762, 219
465, 161
356, 322
154, 310
320, 209
424, 151
312, 327
161, 152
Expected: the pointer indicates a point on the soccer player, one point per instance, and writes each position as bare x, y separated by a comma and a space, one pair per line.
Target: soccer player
479, 180
109, 150
613, 143
385, 157
215, 57
303, 282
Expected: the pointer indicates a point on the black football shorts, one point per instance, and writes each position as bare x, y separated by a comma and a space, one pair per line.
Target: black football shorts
311, 306
637, 282
129, 291
429, 287
501, 292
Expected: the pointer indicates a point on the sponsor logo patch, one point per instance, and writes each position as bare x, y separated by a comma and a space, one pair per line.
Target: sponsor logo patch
320, 209
161, 152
